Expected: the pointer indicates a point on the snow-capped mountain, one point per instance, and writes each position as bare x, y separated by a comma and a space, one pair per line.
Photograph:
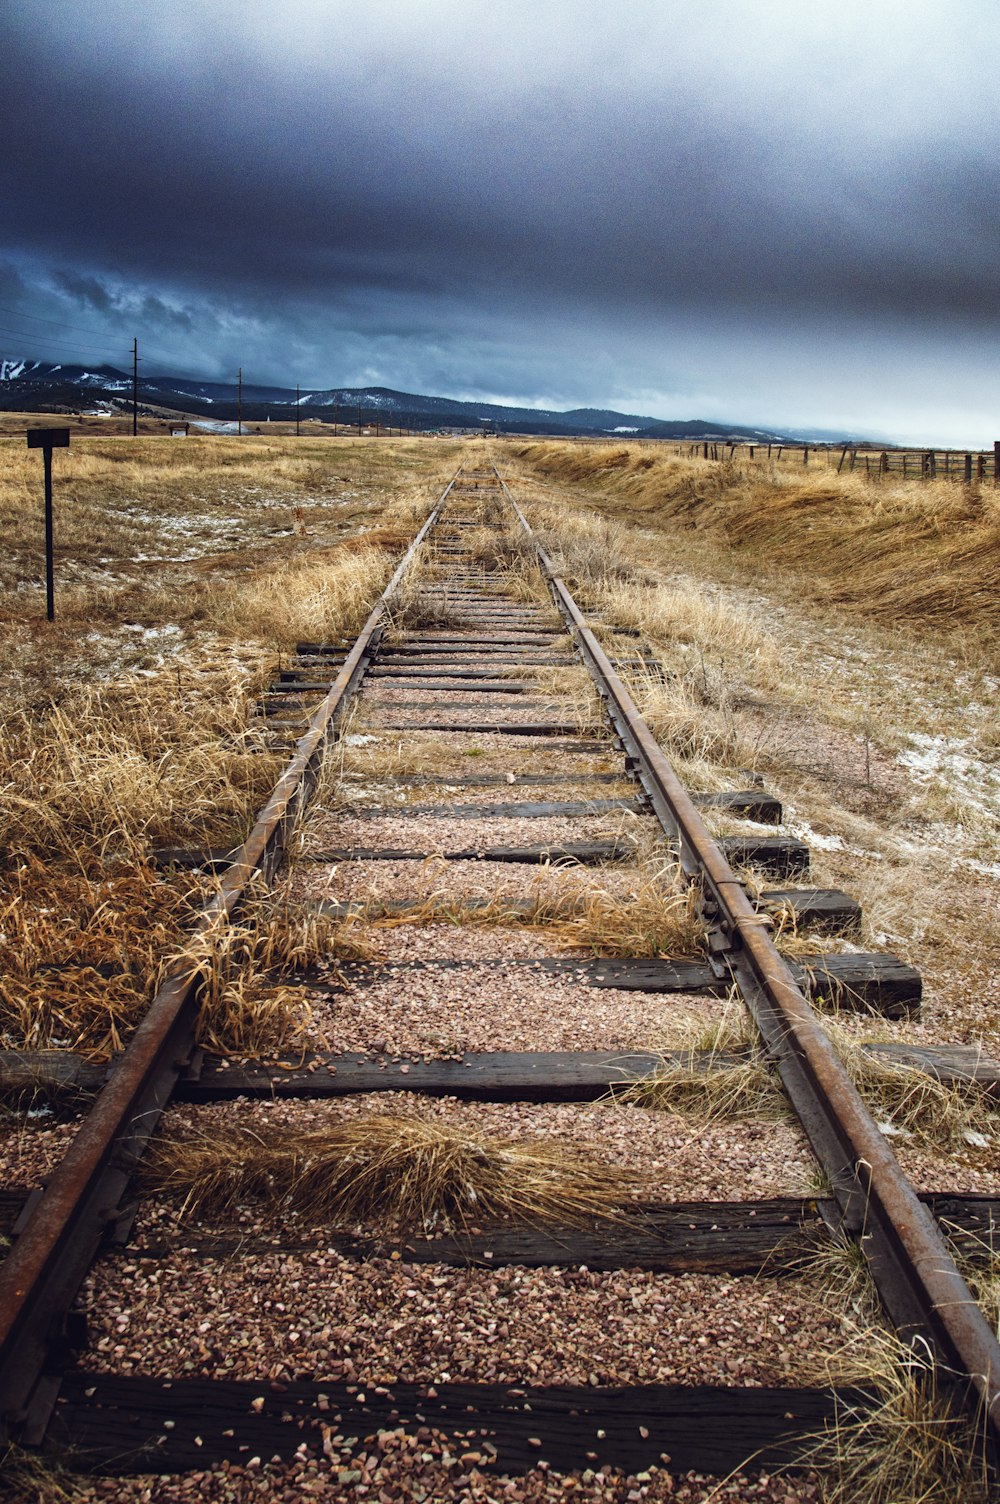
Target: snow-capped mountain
40, 386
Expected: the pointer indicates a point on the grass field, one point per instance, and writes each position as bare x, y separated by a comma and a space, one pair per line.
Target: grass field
184, 571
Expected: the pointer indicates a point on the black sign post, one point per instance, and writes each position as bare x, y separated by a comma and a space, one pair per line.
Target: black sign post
47, 439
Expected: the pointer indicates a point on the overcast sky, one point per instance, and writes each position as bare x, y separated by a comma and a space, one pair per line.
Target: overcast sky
762, 211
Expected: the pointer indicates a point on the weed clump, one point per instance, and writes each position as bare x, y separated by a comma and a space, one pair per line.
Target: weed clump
397, 1171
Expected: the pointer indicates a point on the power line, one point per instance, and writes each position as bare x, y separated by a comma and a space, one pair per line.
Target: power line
51, 339
116, 352
36, 318
63, 344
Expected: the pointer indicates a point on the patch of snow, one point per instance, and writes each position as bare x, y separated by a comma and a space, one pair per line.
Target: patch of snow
804, 832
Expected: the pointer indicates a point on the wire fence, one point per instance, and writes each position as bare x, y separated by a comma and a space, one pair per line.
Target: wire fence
965, 466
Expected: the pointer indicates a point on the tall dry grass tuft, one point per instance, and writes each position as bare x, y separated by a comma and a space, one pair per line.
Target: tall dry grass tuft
692, 727
905, 1441
246, 1009
81, 954
911, 1104
709, 1091
659, 918
315, 601
107, 771
394, 1171
28, 1478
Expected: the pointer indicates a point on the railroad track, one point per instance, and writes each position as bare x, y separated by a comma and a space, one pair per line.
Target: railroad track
499, 789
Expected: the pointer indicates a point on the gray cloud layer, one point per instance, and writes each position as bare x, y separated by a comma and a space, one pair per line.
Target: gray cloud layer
732, 209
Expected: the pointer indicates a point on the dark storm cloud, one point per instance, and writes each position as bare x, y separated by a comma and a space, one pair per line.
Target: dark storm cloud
475, 193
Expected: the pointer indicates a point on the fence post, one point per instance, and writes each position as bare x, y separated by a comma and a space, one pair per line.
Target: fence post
883, 463
980, 466
996, 461
805, 455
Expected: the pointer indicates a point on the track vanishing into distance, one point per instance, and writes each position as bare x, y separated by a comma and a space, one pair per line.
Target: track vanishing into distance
457, 670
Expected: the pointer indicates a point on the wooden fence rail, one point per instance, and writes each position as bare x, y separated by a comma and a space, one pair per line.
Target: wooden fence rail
964, 466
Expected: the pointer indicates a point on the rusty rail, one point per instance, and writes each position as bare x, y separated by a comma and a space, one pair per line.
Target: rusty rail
919, 1284
85, 1195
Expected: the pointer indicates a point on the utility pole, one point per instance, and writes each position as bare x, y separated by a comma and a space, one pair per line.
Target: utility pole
297, 409
135, 387
239, 401
336, 409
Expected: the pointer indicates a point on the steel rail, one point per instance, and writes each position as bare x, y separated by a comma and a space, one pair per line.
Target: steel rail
922, 1291
84, 1196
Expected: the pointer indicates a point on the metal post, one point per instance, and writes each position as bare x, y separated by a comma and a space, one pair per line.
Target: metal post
46, 439
135, 388
239, 401
50, 589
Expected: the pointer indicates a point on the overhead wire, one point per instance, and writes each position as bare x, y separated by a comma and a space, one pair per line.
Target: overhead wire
115, 351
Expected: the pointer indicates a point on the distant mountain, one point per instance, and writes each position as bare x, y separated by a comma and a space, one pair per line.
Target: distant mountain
39, 386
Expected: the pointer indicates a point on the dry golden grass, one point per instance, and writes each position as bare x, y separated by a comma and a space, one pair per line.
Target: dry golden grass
394, 1171
659, 918
109, 771
709, 1090
314, 600
894, 550
904, 1442
246, 1010
84, 954
905, 1101
28, 1478
148, 530
81, 954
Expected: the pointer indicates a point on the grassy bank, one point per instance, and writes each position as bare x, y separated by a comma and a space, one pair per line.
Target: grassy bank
893, 551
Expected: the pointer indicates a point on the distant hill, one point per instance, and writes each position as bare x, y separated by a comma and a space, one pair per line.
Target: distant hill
39, 386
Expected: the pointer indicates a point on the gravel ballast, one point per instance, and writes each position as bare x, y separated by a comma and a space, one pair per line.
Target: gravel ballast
504, 1007
320, 1316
